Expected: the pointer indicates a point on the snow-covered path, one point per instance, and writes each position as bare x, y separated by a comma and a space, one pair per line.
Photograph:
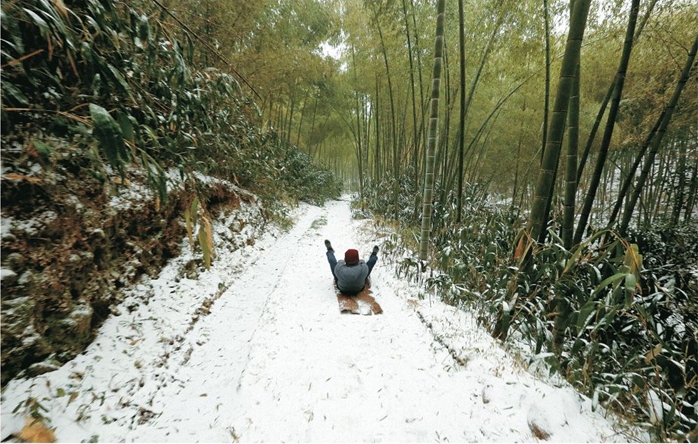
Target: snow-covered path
274, 360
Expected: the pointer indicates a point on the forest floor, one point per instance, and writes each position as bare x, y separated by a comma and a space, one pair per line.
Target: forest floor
255, 349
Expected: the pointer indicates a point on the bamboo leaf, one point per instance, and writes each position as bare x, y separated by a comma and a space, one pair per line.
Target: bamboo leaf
606, 320
15, 177
38, 21
194, 210
523, 246
579, 249
15, 93
578, 344
190, 228
652, 354
151, 134
121, 81
204, 246
156, 175
630, 287
60, 7
633, 259
19, 406
209, 237
109, 135
144, 29
126, 126
585, 315
58, 22
608, 281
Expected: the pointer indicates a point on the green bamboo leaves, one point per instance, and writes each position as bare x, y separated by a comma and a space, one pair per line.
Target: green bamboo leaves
110, 137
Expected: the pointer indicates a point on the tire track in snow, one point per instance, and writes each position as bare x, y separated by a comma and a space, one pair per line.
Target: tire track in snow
222, 343
268, 269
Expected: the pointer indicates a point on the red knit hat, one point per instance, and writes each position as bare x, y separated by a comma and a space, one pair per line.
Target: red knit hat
351, 257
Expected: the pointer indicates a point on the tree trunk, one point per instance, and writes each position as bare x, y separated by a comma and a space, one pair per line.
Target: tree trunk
604, 103
546, 176
312, 124
300, 124
610, 123
628, 181
485, 55
393, 128
571, 171
419, 162
442, 157
289, 127
367, 119
518, 158
415, 141
377, 165
431, 145
680, 186
659, 186
692, 194
594, 129
546, 101
359, 137
461, 124
665, 118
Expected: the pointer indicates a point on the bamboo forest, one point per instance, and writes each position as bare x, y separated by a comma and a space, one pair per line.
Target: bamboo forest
532, 164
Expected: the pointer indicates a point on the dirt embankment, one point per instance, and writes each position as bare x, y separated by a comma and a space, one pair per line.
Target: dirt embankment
71, 240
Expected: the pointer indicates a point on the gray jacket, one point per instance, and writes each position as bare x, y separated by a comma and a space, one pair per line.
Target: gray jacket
351, 279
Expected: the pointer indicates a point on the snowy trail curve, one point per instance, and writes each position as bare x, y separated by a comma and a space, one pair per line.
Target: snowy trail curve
275, 361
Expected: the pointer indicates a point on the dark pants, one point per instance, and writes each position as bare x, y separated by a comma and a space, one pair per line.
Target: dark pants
333, 262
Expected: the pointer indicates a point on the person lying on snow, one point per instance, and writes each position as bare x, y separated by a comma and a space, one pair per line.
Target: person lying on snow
351, 274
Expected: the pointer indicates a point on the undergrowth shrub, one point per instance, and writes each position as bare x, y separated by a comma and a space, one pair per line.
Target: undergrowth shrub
302, 178
614, 316
122, 86
379, 197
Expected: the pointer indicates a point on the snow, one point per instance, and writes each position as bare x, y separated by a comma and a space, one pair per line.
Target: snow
32, 227
7, 274
656, 411
255, 349
5, 226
